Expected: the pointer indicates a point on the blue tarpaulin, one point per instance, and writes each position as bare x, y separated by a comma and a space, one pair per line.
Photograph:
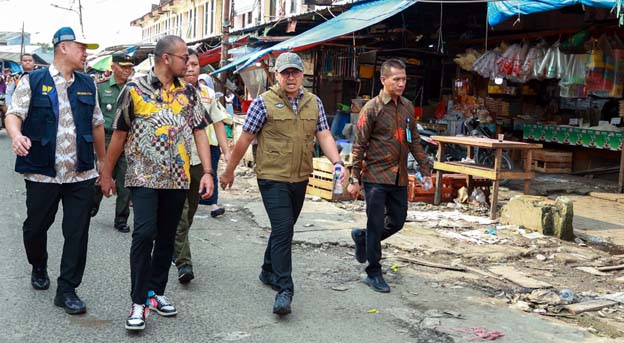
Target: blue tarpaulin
235, 63
356, 18
499, 11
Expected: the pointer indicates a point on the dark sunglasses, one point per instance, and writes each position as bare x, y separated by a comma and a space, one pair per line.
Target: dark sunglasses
185, 58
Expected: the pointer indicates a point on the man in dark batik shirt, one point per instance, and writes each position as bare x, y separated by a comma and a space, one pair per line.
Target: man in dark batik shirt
386, 132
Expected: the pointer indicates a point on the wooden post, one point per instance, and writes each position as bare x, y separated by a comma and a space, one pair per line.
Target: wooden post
497, 167
621, 182
469, 178
437, 196
528, 165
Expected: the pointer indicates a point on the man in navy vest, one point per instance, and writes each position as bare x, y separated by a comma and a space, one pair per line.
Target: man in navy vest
56, 125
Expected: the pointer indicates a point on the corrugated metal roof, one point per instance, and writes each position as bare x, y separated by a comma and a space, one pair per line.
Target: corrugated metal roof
6, 35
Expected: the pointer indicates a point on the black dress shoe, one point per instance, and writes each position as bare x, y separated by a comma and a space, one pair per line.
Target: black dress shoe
217, 212
283, 300
268, 279
185, 274
39, 278
70, 302
359, 238
122, 227
377, 283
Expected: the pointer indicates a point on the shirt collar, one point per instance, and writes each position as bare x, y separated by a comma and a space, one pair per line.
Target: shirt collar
386, 99
54, 72
113, 82
155, 82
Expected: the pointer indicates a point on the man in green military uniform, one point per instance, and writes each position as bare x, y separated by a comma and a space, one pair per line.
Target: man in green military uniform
108, 91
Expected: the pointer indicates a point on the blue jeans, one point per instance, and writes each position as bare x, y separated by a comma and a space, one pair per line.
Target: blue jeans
156, 216
283, 202
215, 155
386, 209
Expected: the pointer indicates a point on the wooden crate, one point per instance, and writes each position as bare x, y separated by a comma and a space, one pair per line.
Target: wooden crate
321, 182
415, 192
552, 161
451, 183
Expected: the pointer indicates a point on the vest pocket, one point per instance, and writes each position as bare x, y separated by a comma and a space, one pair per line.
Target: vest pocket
86, 105
306, 159
39, 154
276, 159
85, 149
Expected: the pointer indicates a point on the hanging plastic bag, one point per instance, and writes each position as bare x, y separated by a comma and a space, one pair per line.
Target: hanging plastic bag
519, 59
486, 64
506, 61
529, 63
572, 84
540, 54
553, 64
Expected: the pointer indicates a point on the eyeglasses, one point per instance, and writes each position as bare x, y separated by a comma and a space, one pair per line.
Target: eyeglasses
185, 58
289, 73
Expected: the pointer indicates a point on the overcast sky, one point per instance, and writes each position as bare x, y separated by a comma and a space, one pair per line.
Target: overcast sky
106, 22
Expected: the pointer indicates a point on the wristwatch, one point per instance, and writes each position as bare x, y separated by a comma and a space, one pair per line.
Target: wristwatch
339, 162
353, 180
209, 172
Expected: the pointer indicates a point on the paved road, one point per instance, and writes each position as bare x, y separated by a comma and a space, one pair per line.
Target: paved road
227, 302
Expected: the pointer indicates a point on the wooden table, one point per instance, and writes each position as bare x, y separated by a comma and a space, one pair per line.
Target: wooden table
496, 174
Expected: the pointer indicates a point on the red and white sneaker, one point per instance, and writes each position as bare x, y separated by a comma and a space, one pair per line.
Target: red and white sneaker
136, 319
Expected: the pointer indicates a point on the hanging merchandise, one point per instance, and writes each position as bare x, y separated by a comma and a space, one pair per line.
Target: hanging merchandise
618, 74
575, 41
600, 65
506, 62
572, 84
530, 68
516, 70
486, 64
554, 62
467, 59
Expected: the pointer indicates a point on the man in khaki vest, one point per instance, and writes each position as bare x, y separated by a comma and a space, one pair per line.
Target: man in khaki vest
285, 120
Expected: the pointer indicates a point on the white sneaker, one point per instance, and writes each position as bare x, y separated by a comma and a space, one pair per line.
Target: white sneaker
162, 305
136, 319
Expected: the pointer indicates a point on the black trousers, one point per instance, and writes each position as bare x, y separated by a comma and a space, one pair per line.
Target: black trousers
42, 200
156, 216
283, 202
386, 209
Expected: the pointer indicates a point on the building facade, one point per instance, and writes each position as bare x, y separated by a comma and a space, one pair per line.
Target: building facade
197, 20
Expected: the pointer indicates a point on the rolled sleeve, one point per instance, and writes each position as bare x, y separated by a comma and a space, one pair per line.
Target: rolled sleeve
21, 99
321, 124
256, 116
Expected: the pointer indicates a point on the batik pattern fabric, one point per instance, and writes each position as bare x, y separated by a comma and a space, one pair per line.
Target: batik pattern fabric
66, 154
160, 124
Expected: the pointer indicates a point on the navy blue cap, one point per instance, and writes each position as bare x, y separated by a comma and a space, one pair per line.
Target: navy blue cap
65, 34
